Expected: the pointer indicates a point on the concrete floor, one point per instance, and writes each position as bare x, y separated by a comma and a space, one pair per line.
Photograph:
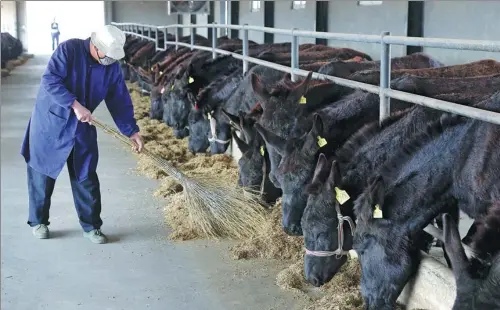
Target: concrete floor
140, 268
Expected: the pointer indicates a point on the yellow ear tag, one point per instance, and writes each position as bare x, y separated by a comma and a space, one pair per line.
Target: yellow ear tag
191, 80
341, 195
209, 116
172, 87
377, 213
321, 141
303, 100
262, 150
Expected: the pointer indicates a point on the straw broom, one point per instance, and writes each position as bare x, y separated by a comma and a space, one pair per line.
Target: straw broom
216, 207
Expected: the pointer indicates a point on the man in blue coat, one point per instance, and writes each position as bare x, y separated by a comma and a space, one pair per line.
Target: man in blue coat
80, 74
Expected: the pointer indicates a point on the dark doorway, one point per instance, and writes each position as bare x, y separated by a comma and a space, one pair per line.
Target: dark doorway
415, 24
235, 18
322, 20
269, 21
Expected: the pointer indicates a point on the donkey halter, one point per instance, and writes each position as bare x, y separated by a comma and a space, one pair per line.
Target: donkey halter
213, 125
339, 252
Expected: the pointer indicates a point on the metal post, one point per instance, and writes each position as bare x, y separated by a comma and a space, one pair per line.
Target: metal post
245, 48
157, 38
176, 38
385, 77
192, 37
165, 33
295, 55
214, 41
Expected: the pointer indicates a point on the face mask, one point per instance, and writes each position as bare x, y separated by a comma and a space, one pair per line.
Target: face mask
105, 61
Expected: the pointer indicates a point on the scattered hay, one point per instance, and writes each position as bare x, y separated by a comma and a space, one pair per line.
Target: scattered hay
14, 63
177, 217
342, 292
168, 187
5, 72
292, 278
141, 103
272, 242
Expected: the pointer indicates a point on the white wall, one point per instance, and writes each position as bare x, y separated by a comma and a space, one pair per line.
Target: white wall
202, 19
253, 19
72, 17
146, 12
286, 18
186, 20
8, 17
348, 17
478, 20
22, 23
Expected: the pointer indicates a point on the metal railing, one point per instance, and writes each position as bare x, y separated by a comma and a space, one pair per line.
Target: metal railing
385, 40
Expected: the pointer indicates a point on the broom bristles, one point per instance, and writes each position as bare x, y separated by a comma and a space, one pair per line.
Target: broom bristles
217, 208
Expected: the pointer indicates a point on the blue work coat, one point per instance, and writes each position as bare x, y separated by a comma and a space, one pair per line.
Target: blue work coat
54, 131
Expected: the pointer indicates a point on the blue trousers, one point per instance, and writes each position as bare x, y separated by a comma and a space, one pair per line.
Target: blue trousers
86, 195
55, 41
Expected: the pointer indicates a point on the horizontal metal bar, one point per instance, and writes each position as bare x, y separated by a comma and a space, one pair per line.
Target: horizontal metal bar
471, 45
475, 45
139, 35
135, 24
480, 114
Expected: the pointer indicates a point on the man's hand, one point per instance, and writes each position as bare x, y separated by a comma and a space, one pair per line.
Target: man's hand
82, 113
137, 141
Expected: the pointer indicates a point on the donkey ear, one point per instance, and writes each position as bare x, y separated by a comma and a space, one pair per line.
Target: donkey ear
192, 100
247, 128
320, 174
180, 71
334, 179
322, 169
377, 191
259, 88
317, 127
454, 248
270, 138
234, 121
303, 87
314, 140
287, 77
240, 143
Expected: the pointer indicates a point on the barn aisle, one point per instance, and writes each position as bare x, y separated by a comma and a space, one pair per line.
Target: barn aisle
139, 268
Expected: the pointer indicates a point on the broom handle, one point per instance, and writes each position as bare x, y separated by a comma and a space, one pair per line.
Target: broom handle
160, 162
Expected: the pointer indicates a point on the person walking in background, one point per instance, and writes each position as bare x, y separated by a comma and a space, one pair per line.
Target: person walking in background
79, 76
55, 34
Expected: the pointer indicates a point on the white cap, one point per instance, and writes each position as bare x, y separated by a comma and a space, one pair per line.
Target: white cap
109, 40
